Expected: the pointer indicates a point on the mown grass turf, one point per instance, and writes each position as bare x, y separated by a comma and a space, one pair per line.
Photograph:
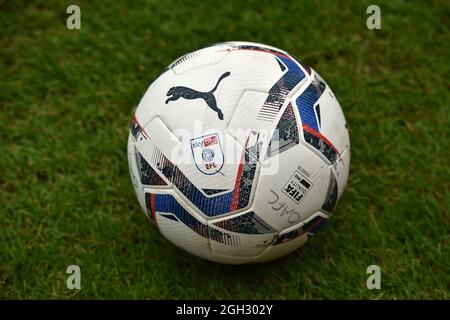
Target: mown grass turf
66, 100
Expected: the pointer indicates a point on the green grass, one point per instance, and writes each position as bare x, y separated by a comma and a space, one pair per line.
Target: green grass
66, 99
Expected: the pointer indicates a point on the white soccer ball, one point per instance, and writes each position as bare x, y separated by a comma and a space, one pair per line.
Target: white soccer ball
238, 152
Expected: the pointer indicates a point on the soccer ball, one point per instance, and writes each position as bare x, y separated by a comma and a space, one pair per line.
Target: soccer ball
238, 152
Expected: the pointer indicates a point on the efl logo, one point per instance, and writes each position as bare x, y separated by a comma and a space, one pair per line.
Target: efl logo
208, 154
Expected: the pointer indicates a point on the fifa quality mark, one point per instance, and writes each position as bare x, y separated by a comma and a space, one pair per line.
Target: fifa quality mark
297, 187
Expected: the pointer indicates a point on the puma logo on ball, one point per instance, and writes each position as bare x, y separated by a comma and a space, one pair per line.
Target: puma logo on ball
176, 93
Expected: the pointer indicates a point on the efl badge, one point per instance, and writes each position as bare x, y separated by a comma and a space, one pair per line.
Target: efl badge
207, 153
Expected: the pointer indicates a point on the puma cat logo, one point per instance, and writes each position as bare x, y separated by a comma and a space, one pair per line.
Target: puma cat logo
176, 93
